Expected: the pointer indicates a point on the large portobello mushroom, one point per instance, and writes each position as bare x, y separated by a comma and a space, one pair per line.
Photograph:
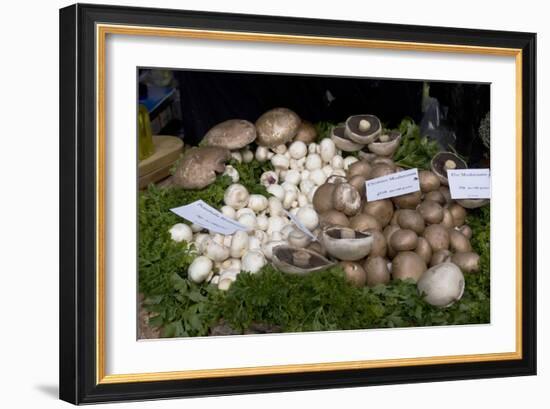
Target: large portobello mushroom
301, 261
199, 166
277, 126
232, 134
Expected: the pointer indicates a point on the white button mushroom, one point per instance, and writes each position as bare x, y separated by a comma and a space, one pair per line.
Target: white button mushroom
231, 264
312, 148
181, 232
262, 222
247, 155
276, 236
327, 169
248, 220
337, 162
293, 176
276, 190
318, 177
243, 211
200, 242
237, 156
327, 150
280, 149
267, 249
306, 186
275, 205
269, 178
305, 174
298, 150
257, 203
302, 200
280, 162
339, 172
236, 196
286, 230
232, 173
228, 211
261, 154
239, 244
261, 236
199, 269
254, 243
308, 217
215, 251
253, 261
290, 197
195, 228
289, 187
276, 223
313, 162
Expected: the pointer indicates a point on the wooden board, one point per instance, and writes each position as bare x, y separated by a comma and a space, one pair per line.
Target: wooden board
167, 151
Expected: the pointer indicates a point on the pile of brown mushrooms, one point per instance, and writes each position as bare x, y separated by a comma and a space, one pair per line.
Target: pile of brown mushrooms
420, 236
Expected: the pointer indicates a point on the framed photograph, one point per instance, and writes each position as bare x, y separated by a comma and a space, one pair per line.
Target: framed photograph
258, 203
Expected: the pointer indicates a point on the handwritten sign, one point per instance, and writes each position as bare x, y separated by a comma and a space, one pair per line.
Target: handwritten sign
299, 224
470, 183
395, 184
208, 218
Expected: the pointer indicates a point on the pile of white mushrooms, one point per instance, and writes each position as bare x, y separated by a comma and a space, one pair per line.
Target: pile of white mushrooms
323, 187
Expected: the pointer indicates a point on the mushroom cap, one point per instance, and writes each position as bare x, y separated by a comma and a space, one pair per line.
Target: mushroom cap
447, 220
440, 256
435, 196
376, 269
428, 180
468, 262
386, 147
437, 236
381, 169
472, 203
333, 218
301, 261
403, 240
446, 194
423, 249
199, 166
322, 198
408, 201
361, 167
411, 219
277, 126
346, 244
408, 265
306, 132
458, 213
442, 285
346, 199
355, 274
379, 247
382, 210
358, 133
358, 182
466, 231
342, 142
432, 212
439, 165
458, 242
232, 134
363, 221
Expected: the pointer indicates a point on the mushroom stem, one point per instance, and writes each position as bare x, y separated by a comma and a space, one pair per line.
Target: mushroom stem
301, 258
450, 164
364, 125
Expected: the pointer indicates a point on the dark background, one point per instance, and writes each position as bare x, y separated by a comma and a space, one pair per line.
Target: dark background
209, 97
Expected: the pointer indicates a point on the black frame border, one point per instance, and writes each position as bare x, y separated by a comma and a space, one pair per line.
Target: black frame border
78, 197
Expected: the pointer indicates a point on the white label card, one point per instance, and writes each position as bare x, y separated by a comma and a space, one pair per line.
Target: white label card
395, 184
470, 183
208, 217
299, 224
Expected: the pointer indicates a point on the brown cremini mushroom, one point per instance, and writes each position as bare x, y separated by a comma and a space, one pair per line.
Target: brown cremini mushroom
408, 201
333, 218
306, 133
472, 203
354, 272
382, 210
322, 198
423, 249
468, 262
403, 240
232, 134
466, 231
276, 127
408, 265
440, 256
447, 220
199, 166
436, 196
437, 236
363, 221
458, 243
379, 247
358, 182
458, 213
429, 182
432, 212
411, 219
381, 169
361, 167
376, 269
346, 199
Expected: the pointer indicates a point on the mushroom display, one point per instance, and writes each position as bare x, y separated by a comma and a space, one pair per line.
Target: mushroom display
318, 215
